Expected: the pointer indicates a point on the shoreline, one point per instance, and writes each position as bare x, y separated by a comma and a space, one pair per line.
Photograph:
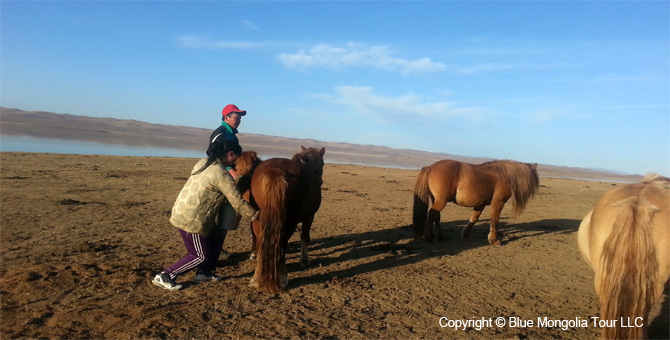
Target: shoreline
130, 133
542, 173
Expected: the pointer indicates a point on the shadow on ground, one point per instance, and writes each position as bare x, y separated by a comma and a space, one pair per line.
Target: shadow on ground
400, 249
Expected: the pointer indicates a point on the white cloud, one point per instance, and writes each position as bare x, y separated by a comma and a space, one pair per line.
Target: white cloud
201, 42
250, 25
362, 100
357, 55
541, 117
481, 68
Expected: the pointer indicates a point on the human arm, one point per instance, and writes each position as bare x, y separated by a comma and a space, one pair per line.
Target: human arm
226, 184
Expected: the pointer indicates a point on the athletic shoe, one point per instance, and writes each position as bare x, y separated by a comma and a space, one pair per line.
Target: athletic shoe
202, 277
164, 281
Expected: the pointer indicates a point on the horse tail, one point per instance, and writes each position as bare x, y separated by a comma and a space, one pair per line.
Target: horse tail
272, 217
421, 200
628, 269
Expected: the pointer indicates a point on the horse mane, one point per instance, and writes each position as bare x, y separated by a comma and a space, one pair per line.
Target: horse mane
657, 180
245, 165
628, 267
521, 179
246, 162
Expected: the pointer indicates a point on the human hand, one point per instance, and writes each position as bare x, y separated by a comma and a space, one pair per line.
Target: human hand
233, 173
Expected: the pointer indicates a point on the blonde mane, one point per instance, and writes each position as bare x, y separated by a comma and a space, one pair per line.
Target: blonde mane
629, 263
657, 180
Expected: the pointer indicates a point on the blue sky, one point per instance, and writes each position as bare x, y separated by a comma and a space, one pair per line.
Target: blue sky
583, 84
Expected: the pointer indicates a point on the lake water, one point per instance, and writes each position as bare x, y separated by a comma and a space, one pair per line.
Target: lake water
42, 145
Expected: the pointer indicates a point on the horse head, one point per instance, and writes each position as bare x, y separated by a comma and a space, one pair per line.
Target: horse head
246, 163
312, 158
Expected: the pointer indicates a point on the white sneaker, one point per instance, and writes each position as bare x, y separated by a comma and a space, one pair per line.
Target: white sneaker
164, 281
200, 277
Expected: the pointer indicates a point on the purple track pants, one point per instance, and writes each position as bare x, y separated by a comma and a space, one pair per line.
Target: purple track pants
203, 253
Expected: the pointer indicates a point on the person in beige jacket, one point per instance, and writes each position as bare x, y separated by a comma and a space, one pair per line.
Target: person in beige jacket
195, 210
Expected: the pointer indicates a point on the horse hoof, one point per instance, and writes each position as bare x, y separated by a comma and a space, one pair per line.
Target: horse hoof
253, 283
252, 256
496, 243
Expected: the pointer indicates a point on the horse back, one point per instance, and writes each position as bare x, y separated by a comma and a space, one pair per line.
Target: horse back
625, 240
646, 196
608, 207
443, 179
303, 194
462, 183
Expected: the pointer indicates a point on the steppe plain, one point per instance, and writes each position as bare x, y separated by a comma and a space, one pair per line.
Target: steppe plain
82, 236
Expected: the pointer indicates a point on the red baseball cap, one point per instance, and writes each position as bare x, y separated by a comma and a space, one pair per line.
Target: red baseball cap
230, 108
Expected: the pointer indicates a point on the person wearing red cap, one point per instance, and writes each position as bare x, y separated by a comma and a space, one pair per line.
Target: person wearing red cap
232, 117
227, 218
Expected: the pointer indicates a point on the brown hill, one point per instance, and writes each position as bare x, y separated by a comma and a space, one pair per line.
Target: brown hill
42, 124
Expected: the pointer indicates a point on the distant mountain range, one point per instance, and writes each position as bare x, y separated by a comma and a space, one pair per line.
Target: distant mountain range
40, 124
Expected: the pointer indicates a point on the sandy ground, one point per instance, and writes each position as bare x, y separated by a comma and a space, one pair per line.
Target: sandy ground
82, 236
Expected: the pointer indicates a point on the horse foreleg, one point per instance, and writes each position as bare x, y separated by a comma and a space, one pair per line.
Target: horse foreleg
283, 274
474, 217
281, 265
496, 208
253, 242
254, 279
304, 242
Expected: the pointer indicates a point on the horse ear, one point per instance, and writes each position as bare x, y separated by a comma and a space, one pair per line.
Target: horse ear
303, 148
323, 150
534, 166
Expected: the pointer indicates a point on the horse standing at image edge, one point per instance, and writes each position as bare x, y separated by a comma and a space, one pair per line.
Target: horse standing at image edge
625, 239
287, 192
491, 183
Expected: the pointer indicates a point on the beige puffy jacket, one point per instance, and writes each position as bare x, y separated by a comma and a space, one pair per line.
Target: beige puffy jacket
198, 203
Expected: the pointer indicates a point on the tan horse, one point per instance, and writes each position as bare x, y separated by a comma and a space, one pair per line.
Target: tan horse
287, 192
626, 241
492, 183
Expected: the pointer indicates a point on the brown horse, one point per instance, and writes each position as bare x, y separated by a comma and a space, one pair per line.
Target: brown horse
244, 166
626, 241
287, 192
491, 183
